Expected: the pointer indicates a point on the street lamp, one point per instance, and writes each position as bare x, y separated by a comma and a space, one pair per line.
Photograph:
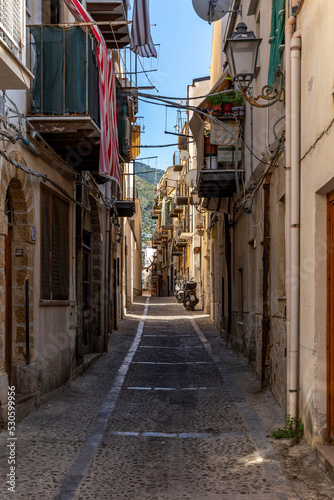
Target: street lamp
242, 51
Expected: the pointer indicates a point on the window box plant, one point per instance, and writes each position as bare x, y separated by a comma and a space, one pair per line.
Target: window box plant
225, 101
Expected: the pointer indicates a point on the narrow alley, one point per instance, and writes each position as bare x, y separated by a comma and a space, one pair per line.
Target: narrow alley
167, 413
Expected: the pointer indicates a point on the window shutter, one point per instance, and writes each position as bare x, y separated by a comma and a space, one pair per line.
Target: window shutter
59, 249
276, 38
46, 245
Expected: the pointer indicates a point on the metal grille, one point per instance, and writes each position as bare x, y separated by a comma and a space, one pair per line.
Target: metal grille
11, 23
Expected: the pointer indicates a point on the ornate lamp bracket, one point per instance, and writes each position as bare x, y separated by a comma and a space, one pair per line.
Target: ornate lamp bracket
268, 93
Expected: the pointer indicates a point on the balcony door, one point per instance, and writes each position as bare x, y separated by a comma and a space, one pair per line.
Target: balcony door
8, 278
51, 11
87, 294
330, 320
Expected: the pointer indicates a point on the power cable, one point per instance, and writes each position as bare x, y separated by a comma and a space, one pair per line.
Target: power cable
44, 177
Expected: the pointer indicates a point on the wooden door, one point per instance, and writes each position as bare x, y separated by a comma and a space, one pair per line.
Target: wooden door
87, 309
330, 320
8, 280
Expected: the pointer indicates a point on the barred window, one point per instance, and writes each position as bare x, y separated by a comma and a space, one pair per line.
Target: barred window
55, 246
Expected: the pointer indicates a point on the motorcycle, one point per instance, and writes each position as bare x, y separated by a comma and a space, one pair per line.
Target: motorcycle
190, 300
179, 291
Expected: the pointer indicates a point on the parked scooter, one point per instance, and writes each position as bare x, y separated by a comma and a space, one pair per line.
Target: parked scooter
179, 291
190, 300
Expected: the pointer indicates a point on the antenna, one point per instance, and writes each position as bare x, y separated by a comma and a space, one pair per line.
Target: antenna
184, 155
190, 178
212, 10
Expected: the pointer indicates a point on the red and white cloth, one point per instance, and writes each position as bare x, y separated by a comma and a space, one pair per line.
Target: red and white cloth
109, 152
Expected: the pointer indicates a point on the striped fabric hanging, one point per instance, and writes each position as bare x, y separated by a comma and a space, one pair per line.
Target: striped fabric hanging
141, 40
109, 153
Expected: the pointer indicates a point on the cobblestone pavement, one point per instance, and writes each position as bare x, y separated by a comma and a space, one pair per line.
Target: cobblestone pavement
167, 414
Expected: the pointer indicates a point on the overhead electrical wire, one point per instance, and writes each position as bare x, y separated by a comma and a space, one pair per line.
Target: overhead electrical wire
49, 152
44, 177
166, 103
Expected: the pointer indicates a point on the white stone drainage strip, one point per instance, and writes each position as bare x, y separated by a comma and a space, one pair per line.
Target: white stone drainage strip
84, 459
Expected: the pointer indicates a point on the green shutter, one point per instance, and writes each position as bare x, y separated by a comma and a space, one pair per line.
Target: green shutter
276, 38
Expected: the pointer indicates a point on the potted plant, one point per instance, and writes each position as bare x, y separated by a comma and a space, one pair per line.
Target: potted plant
209, 149
215, 102
238, 109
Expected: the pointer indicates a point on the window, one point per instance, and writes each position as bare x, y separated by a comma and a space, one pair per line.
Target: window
55, 247
276, 38
51, 11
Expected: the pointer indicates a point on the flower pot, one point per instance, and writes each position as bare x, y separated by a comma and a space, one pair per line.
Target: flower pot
211, 162
209, 149
227, 108
217, 108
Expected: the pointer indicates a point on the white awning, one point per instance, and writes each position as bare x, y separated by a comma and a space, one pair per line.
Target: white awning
197, 129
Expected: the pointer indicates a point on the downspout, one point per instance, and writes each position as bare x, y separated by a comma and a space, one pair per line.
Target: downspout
229, 275
266, 284
107, 269
295, 47
289, 30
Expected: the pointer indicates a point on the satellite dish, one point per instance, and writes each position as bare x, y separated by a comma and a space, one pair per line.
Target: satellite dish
190, 177
184, 155
211, 10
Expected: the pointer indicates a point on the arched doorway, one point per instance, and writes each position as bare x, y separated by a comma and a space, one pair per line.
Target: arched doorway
17, 239
8, 287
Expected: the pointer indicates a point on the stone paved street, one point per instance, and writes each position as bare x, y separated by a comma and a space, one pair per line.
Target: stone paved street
167, 414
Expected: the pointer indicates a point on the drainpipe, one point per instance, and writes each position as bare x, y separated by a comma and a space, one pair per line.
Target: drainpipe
107, 269
229, 276
266, 284
295, 47
289, 30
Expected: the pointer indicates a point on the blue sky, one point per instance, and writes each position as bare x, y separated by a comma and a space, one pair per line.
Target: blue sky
185, 52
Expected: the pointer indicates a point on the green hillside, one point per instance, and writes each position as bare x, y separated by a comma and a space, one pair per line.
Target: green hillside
148, 173
146, 180
146, 195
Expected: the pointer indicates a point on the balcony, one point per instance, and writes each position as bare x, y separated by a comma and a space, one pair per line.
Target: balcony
117, 36
156, 211
13, 73
176, 252
177, 164
175, 210
154, 215
65, 106
182, 200
167, 219
127, 206
181, 244
218, 179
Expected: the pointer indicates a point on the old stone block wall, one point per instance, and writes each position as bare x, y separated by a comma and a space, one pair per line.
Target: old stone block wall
247, 287
17, 183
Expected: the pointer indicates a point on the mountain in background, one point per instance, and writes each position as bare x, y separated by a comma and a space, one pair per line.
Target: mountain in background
146, 180
148, 173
